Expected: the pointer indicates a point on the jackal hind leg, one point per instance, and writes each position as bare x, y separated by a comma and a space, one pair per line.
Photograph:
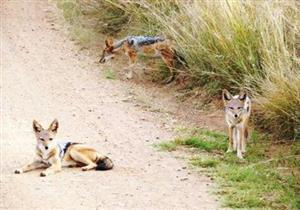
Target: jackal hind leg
244, 140
239, 142
69, 163
81, 158
168, 59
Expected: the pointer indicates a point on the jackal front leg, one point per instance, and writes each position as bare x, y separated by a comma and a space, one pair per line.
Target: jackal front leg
132, 55
54, 168
31, 166
230, 142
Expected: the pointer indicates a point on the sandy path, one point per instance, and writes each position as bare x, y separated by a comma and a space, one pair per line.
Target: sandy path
42, 78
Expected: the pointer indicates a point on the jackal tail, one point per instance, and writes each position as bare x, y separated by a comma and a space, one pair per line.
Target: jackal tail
104, 164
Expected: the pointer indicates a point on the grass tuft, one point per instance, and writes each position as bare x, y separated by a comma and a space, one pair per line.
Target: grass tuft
109, 74
166, 146
204, 162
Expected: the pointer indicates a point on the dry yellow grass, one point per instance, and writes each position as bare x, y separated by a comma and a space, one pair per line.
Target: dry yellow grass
228, 44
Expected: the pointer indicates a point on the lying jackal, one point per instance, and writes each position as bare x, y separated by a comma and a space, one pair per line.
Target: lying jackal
237, 113
151, 46
52, 155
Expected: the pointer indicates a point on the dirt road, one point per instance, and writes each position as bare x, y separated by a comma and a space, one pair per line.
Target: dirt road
43, 77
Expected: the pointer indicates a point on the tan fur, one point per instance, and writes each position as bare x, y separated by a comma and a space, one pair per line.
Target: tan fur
237, 114
47, 154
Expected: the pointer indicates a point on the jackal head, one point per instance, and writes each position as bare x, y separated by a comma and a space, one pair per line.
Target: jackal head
45, 137
109, 50
236, 106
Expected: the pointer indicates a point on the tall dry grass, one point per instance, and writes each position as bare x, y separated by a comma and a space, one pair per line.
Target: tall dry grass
228, 44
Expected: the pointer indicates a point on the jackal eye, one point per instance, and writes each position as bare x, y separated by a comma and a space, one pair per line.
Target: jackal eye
42, 139
240, 108
231, 108
50, 139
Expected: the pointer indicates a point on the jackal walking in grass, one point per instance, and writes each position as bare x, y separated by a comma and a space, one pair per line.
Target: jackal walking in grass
152, 46
237, 113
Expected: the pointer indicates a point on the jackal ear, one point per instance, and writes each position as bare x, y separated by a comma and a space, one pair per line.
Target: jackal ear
243, 95
36, 126
226, 96
109, 41
53, 126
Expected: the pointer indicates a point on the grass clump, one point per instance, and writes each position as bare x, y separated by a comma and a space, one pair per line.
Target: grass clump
109, 74
166, 146
204, 162
268, 177
206, 140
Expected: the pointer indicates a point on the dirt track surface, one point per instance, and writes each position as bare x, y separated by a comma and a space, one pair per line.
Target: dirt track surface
43, 77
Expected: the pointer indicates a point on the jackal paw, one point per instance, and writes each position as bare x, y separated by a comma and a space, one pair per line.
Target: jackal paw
43, 174
229, 150
129, 75
18, 171
85, 168
240, 156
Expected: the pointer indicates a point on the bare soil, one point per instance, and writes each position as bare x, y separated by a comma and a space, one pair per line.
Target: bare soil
43, 76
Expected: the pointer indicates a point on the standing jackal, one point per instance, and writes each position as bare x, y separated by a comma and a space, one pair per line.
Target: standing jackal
237, 113
52, 155
151, 46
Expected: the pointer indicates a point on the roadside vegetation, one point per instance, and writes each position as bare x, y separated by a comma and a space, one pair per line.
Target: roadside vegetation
228, 44
267, 178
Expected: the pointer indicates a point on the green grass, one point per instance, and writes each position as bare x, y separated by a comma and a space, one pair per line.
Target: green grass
256, 182
207, 140
204, 162
166, 146
109, 74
